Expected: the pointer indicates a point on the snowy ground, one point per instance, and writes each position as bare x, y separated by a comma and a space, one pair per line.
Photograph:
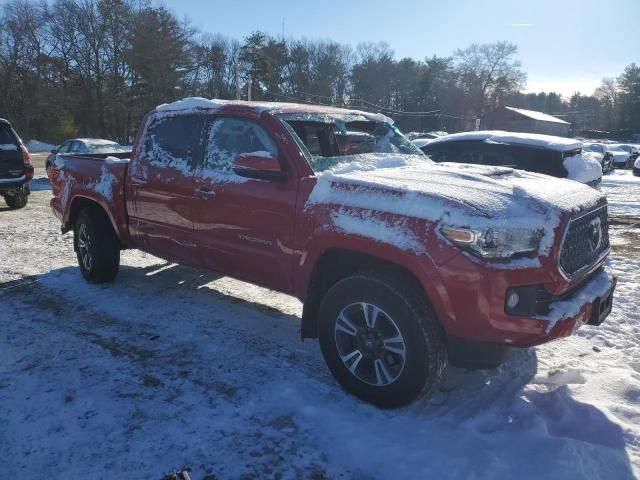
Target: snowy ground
169, 367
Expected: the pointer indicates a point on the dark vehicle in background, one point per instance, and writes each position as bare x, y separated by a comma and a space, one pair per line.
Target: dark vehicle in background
620, 158
556, 156
636, 168
600, 152
16, 170
94, 147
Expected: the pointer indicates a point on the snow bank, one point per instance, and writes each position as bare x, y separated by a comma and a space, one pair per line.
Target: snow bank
470, 196
514, 138
583, 167
35, 146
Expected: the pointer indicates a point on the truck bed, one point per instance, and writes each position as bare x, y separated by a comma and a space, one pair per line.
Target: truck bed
94, 177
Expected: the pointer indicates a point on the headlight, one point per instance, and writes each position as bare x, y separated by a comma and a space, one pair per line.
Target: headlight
494, 242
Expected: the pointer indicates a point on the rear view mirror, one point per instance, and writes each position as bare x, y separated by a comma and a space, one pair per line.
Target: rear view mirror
261, 165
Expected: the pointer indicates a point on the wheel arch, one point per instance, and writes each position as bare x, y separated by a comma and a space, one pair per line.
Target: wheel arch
334, 264
80, 203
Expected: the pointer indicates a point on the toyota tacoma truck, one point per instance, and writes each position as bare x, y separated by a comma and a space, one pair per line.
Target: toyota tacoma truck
402, 264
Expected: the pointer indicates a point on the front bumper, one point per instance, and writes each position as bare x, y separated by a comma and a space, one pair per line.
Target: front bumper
477, 297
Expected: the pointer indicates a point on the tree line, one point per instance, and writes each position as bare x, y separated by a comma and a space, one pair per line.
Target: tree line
95, 67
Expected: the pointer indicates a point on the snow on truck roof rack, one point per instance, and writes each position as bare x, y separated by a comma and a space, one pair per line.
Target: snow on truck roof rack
199, 103
514, 138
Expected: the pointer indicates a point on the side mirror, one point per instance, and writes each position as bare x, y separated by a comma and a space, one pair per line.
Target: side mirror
260, 165
54, 151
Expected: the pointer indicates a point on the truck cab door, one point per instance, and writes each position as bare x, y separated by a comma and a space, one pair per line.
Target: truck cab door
244, 227
161, 185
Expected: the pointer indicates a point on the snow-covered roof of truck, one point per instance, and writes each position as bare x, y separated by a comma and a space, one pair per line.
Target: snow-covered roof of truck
513, 138
199, 103
537, 115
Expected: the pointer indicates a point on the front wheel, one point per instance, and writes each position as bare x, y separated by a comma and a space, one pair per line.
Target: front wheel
381, 340
97, 246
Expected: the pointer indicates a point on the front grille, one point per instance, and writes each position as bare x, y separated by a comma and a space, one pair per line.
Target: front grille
586, 241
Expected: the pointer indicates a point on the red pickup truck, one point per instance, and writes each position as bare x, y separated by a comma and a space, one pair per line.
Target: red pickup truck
402, 264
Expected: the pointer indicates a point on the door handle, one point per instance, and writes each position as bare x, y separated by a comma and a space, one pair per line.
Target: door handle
137, 181
205, 192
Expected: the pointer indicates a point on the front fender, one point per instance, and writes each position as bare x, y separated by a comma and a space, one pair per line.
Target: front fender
421, 266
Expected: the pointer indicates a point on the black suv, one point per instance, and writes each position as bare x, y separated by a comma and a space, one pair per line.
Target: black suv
555, 156
16, 170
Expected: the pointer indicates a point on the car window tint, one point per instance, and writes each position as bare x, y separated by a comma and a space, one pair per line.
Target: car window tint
64, 148
175, 142
439, 153
463, 152
492, 155
75, 147
229, 137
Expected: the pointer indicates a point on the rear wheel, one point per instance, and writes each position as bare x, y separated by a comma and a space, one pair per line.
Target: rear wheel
380, 339
18, 200
97, 246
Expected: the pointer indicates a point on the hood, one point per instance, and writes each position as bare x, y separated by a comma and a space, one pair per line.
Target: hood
456, 194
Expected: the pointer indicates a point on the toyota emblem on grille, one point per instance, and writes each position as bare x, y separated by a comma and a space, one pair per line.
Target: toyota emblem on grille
595, 234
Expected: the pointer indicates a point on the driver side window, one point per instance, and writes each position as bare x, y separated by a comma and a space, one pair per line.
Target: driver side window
229, 137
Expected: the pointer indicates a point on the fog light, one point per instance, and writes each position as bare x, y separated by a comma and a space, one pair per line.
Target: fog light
512, 300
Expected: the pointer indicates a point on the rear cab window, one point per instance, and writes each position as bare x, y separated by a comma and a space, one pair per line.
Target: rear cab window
175, 142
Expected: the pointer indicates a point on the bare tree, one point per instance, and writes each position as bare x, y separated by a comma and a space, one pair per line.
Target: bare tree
487, 73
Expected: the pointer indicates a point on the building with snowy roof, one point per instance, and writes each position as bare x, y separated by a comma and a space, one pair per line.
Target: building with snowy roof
520, 120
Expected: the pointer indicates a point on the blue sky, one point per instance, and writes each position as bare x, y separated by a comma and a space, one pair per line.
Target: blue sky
564, 45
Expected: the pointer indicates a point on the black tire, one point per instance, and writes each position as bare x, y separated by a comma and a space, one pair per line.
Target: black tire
19, 200
97, 246
402, 308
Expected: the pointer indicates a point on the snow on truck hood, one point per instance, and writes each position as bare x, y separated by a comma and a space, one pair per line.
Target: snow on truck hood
462, 195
